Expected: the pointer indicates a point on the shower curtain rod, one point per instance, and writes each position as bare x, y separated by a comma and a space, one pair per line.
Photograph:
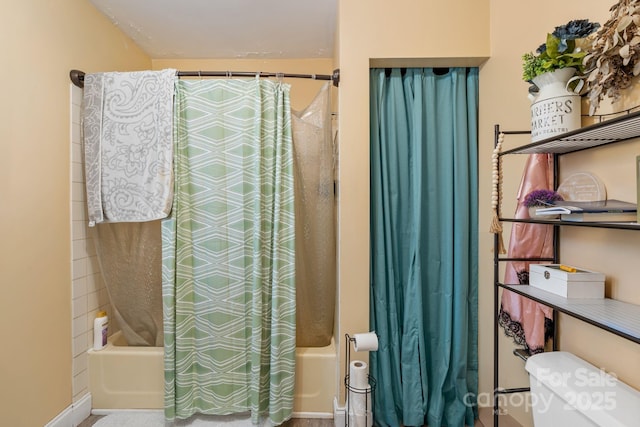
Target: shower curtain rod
77, 76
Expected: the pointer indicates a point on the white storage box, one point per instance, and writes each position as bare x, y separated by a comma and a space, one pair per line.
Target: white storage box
580, 283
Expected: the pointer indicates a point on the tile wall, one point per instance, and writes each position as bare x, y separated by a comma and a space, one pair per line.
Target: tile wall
88, 293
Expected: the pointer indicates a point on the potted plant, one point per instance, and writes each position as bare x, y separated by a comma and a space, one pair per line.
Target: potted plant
540, 198
614, 57
554, 90
565, 47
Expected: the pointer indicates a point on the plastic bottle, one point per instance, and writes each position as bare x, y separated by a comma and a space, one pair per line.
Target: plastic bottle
100, 329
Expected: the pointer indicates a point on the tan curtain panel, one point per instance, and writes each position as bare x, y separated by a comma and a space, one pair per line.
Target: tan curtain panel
315, 222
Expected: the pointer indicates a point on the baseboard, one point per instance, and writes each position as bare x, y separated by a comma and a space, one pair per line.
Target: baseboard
81, 409
74, 414
325, 415
338, 414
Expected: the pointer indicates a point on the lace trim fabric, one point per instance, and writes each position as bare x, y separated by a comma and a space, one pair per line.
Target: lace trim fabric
513, 329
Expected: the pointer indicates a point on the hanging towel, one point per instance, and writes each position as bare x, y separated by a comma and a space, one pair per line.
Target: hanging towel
128, 145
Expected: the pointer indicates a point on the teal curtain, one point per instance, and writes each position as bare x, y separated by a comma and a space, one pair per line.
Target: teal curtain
424, 207
228, 253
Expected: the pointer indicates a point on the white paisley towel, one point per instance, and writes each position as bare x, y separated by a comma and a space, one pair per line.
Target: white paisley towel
128, 145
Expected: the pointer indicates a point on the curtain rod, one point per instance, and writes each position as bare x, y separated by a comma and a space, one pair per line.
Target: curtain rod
77, 76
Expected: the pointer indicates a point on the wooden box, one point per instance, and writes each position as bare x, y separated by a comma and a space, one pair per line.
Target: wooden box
580, 283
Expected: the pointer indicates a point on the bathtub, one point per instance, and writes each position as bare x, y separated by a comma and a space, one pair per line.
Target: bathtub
123, 377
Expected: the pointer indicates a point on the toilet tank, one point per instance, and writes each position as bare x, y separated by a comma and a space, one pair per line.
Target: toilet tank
568, 391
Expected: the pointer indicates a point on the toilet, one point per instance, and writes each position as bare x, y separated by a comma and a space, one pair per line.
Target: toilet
568, 391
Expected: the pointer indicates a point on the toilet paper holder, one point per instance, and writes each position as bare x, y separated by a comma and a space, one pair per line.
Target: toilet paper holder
368, 392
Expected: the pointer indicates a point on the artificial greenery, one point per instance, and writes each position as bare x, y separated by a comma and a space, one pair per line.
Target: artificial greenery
563, 48
541, 198
613, 62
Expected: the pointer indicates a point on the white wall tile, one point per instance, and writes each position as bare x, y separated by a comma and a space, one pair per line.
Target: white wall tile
80, 325
79, 289
77, 191
79, 267
93, 268
90, 247
77, 211
93, 301
81, 382
79, 248
103, 296
76, 95
94, 282
77, 172
80, 344
76, 134
88, 290
79, 306
76, 154
90, 318
81, 362
75, 114
79, 229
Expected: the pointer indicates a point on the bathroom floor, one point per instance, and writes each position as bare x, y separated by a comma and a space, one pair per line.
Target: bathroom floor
296, 422
486, 420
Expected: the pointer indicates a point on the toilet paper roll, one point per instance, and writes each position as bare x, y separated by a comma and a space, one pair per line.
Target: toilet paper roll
360, 401
358, 371
365, 342
359, 395
359, 414
363, 420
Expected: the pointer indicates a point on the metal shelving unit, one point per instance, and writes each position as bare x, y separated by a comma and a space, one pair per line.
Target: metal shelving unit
616, 317
618, 129
619, 318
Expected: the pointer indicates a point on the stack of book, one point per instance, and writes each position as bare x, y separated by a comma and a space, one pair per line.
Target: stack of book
610, 210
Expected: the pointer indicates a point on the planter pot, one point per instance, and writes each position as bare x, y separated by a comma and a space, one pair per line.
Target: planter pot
555, 109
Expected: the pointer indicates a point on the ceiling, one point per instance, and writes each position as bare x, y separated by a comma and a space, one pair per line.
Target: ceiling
251, 29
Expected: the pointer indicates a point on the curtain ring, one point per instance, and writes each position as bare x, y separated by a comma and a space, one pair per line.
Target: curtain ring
228, 74
280, 77
200, 74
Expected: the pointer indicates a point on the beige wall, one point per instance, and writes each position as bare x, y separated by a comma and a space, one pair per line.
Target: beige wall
406, 33
302, 90
436, 34
503, 101
41, 42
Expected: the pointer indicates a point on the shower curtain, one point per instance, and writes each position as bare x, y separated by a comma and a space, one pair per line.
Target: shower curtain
315, 222
228, 273
130, 256
130, 253
424, 246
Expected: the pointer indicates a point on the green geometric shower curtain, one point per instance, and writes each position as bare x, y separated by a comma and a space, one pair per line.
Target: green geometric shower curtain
228, 253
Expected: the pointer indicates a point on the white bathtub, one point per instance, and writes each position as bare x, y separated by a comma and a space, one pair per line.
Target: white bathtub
122, 377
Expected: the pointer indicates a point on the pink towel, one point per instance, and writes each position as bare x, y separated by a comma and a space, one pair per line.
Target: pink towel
527, 322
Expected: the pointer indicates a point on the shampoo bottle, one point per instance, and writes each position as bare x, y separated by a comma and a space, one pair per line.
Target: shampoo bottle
100, 326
